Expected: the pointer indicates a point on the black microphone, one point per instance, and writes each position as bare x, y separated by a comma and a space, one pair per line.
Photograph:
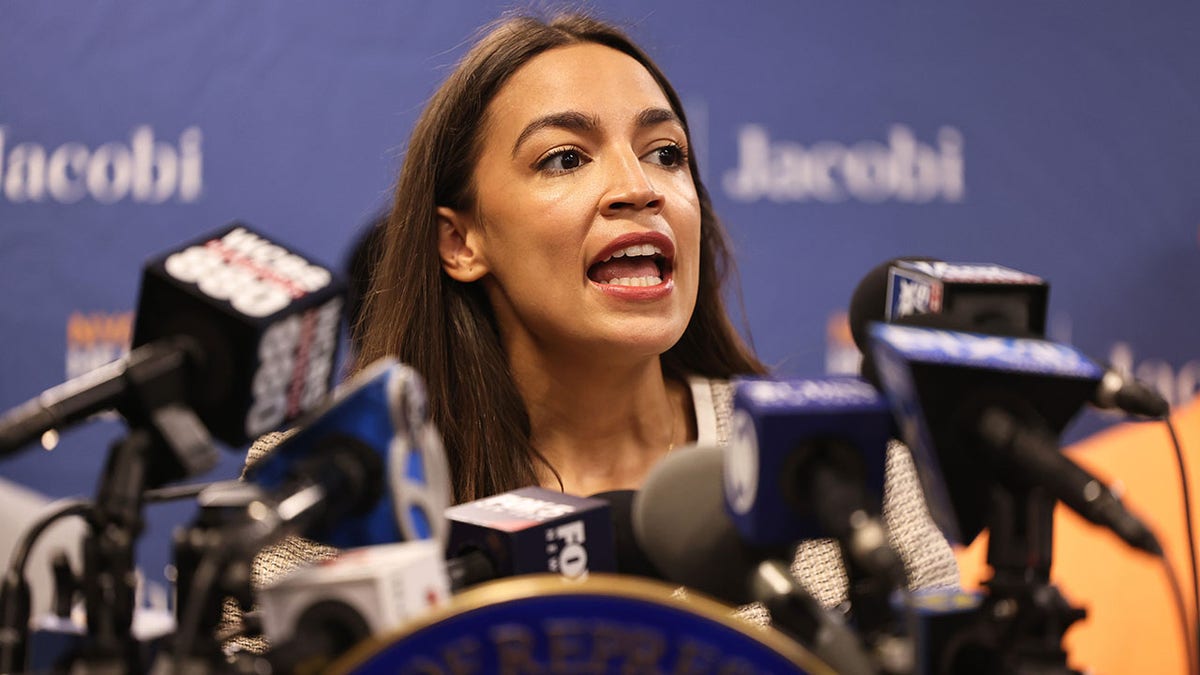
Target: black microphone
1120, 392
798, 613
528, 531
978, 298
1034, 456
233, 327
979, 410
631, 559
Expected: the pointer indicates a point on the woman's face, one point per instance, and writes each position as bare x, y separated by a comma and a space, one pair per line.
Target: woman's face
586, 226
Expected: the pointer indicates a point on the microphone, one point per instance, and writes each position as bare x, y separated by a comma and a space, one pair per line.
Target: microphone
978, 298
1120, 392
955, 392
681, 522
366, 468
317, 613
232, 327
528, 531
631, 558
806, 460
1034, 454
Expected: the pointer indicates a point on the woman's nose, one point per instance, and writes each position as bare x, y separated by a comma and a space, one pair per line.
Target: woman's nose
630, 189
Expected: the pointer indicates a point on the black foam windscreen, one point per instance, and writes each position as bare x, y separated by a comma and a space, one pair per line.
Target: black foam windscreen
631, 558
868, 302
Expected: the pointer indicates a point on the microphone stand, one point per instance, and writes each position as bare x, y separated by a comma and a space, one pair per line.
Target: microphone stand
885, 630
798, 614
109, 582
213, 549
1019, 626
166, 441
214, 556
832, 475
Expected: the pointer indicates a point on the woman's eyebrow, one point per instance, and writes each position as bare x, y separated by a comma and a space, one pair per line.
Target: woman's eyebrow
572, 120
654, 116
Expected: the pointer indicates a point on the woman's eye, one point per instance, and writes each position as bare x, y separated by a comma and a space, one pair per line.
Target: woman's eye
562, 161
668, 155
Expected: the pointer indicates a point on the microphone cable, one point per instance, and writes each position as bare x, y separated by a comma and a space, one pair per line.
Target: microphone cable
15, 608
1181, 609
1192, 641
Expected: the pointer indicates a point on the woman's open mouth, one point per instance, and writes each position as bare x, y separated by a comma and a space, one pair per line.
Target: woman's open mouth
637, 265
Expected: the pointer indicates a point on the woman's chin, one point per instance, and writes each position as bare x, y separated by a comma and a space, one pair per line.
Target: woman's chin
638, 338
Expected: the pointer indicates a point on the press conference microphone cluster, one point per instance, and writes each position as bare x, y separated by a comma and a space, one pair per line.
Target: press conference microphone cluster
526, 531
957, 355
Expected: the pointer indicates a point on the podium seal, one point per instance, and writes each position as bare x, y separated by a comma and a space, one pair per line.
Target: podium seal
546, 625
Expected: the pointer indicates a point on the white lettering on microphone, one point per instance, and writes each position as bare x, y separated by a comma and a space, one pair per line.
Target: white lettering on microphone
256, 277
566, 551
1021, 354
524, 507
980, 273
832, 391
914, 297
294, 356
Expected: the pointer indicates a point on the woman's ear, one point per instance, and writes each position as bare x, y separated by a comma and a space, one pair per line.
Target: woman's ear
458, 246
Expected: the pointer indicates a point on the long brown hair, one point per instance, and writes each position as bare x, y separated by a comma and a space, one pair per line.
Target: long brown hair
445, 329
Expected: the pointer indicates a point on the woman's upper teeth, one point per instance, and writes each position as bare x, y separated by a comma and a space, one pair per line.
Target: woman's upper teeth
635, 250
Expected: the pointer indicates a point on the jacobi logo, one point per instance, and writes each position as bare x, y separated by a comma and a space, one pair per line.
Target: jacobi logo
142, 169
901, 169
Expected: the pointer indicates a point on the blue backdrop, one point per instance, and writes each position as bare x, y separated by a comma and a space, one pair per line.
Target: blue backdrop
1057, 138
